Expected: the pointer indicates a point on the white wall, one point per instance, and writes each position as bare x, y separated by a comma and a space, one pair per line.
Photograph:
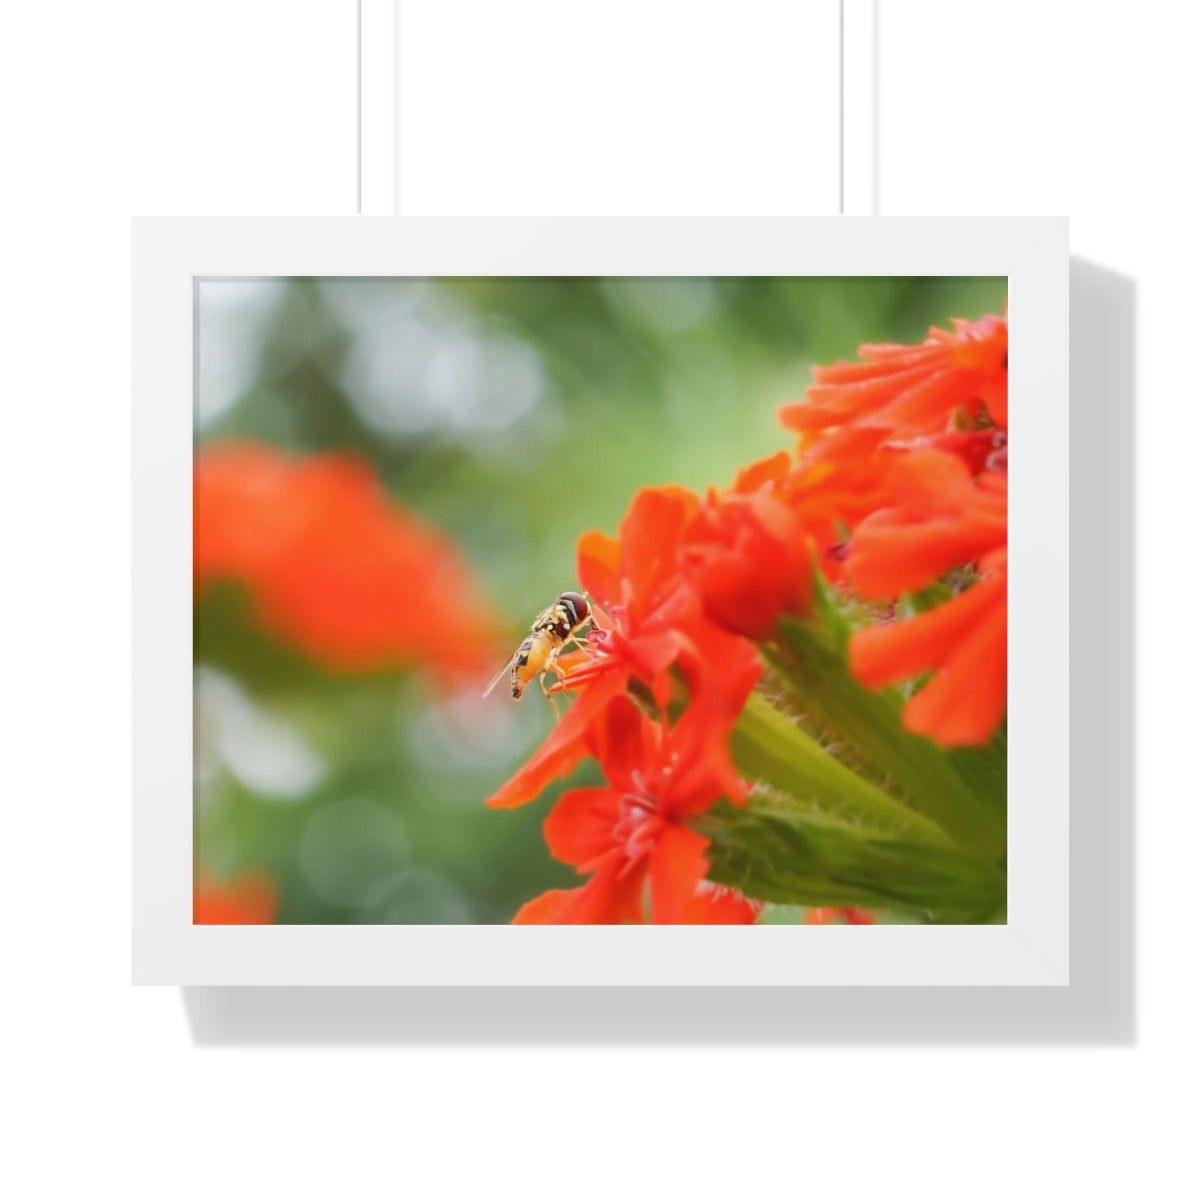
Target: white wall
136, 107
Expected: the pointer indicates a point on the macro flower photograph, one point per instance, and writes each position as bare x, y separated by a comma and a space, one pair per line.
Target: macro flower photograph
601, 600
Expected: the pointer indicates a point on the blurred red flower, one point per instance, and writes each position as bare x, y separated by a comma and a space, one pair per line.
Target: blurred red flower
836, 916
943, 519
635, 830
939, 518
914, 390
248, 899
333, 564
965, 641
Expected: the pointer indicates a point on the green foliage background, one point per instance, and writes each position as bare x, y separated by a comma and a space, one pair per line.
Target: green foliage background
515, 413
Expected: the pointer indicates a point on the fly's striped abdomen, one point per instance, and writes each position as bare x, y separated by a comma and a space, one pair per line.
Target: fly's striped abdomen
531, 658
520, 659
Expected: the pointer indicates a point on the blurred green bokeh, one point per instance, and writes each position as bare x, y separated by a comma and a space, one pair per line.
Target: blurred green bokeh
516, 414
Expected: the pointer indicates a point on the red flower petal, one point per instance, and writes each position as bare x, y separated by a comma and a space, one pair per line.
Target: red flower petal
963, 704
677, 865
942, 519
887, 557
851, 399
621, 741
580, 826
994, 393
882, 361
598, 562
801, 417
611, 897
562, 750
715, 905
747, 557
887, 654
651, 534
913, 389
967, 640
762, 473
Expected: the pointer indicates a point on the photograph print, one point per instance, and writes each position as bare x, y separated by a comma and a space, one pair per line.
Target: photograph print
556, 600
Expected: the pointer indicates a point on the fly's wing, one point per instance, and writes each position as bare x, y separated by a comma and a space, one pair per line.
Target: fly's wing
504, 670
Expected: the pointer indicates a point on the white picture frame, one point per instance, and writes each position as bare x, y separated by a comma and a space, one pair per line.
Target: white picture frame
171, 254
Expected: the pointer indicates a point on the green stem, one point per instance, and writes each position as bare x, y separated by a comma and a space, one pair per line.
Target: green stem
774, 853
770, 749
810, 657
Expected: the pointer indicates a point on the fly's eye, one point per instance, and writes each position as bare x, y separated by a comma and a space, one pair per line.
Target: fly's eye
576, 605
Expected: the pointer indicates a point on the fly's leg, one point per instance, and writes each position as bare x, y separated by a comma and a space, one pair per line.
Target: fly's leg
577, 638
552, 659
550, 665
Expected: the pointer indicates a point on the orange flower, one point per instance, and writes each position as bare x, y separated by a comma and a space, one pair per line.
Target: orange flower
635, 830
913, 390
944, 519
248, 899
333, 564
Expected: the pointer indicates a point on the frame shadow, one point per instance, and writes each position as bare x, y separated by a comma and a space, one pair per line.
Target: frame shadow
1100, 1005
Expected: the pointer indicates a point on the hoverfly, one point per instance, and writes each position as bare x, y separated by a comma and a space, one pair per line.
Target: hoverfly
548, 635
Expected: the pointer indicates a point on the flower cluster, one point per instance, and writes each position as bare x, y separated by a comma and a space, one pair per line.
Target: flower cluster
334, 565
894, 503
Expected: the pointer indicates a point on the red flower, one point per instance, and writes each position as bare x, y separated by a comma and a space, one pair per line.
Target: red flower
635, 579
747, 553
834, 916
944, 519
647, 618
601, 680
249, 899
333, 564
653, 623
940, 518
914, 390
966, 642
635, 830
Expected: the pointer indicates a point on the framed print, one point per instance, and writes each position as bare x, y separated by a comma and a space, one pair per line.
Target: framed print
600, 601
